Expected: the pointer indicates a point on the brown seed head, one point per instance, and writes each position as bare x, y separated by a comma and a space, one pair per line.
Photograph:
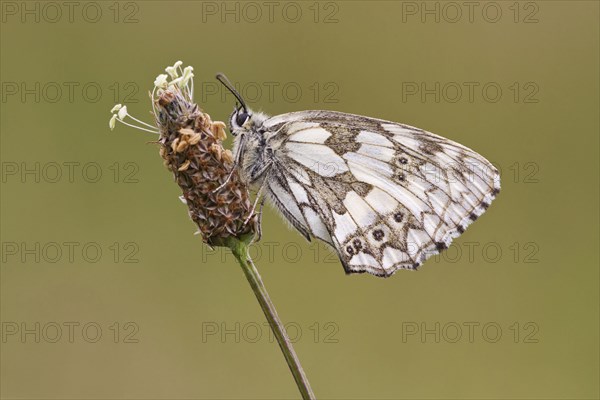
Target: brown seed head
191, 146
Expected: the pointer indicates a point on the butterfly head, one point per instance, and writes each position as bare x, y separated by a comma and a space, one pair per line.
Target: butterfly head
242, 119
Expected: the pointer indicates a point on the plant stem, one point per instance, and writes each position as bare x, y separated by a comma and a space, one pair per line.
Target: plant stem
240, 251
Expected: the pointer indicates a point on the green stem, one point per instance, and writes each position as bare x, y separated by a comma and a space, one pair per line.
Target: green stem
240, 251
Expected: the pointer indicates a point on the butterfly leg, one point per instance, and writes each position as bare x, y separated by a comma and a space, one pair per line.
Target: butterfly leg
254, 175
258, 221
259, 197
236, 162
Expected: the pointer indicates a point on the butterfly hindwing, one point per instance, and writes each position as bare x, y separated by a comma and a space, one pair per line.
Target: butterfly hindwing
386, 196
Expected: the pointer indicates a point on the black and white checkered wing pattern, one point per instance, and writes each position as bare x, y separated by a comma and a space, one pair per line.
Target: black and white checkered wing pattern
386, 196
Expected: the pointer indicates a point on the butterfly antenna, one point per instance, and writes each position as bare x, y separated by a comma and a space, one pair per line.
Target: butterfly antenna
223, 79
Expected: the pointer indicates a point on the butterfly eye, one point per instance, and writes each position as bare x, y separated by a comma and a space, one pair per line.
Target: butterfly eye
241, 118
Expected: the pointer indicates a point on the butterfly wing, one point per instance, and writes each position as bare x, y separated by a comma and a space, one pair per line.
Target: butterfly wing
386, 196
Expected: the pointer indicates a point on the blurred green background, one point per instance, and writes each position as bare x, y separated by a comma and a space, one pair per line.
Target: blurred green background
511, 310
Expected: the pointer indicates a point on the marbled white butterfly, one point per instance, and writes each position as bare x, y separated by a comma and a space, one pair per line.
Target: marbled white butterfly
385, 195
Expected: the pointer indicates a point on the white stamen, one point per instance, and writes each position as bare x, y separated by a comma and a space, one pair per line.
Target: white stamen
178, 64
112, 122
160, 81
122, 112
152, 101
141, 122
192, 89
176, 82
138, 127
182, 83
172, 71
188, 75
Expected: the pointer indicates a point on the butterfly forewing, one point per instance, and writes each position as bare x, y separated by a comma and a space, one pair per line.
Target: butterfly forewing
385, 195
